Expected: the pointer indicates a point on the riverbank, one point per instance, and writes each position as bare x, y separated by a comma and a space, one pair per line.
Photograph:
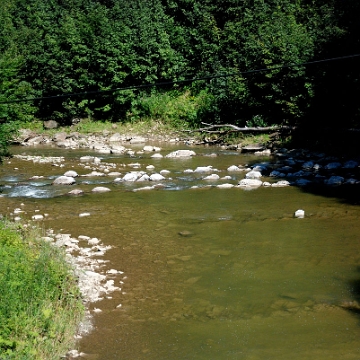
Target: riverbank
300, 167
41, 305
52, 286
87, 134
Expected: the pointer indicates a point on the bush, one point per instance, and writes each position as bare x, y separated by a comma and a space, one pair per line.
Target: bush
40, 303
178, 109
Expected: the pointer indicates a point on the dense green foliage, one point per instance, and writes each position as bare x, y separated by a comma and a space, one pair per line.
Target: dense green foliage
99, 45
11, 88
39, 302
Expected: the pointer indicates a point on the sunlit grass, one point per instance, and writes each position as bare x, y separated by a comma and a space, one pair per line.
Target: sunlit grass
40, 304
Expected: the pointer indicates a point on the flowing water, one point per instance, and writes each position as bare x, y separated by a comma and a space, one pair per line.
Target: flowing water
208, 273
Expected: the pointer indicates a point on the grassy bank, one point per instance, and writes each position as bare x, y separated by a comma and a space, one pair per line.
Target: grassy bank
40, 304
154, 129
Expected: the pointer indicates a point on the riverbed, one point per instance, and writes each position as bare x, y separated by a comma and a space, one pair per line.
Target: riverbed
207, 272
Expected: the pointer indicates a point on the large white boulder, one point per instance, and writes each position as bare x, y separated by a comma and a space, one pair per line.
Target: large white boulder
64, 180
281, 183
132, 176
253, 174
150, 148
71, 173
234, 168
156, 177
300, 214
249, 183
181, 153
204, 169
212, 177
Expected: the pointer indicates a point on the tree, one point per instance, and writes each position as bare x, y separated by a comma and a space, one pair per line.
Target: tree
11, 88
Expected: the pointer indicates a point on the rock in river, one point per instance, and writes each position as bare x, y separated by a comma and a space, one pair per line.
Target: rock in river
300, 214
156, 177
253, 174
100, 189
181, 153
212, 177
334, 180
76, 192
64, 180
249, 183
71, 173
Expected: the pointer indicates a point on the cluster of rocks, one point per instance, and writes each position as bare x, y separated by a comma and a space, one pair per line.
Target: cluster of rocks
94, 282
104, 143
286, 167
83, 254
302, 167
113, 143
42, 159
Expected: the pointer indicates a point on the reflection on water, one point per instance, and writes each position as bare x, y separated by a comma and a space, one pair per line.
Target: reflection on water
217, 274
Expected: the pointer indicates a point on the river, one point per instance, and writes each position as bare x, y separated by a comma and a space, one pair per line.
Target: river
208, 273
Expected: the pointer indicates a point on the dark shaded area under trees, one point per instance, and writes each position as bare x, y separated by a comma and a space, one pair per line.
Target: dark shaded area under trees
54, 47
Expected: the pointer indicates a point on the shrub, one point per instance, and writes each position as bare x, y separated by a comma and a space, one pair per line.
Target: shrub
40, 303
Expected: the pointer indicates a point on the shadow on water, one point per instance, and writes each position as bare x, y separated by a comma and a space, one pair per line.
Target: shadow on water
347, 194
340, 143
354, 305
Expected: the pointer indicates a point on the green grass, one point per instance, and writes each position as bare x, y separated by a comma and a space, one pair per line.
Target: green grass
40, 304
178, 109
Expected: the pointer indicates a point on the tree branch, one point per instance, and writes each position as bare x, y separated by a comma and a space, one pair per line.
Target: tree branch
211, 129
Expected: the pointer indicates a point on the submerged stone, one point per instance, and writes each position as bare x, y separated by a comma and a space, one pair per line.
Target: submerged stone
75, 192
225, 186
100, 189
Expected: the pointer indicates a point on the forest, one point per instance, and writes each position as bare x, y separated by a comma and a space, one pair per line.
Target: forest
247, 63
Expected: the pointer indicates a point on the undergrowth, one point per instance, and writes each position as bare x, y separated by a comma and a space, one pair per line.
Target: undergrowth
40, 304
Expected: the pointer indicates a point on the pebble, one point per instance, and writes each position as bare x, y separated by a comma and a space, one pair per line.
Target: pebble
84, 214
300, 214
212, 177
100, 189
37, 217
225, 186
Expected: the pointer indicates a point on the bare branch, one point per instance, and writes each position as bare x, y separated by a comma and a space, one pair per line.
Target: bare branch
211, 129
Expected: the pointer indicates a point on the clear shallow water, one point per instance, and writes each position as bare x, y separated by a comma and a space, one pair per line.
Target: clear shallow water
215, 274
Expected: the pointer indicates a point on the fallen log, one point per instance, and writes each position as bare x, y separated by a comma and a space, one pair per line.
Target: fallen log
211, 129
